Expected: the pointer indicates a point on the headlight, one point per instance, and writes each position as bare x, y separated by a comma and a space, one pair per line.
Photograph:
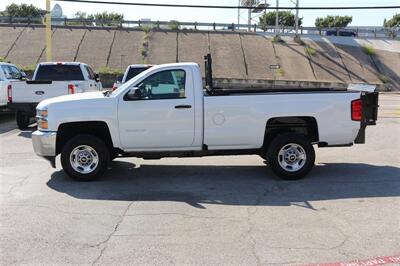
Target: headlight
41, 116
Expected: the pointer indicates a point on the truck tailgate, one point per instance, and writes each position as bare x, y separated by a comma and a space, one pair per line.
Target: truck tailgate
31, 92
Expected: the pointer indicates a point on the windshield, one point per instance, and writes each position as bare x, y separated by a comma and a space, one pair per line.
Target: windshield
59, 72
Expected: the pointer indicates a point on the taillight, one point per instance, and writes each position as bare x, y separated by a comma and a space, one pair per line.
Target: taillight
9, 94
71, 89
356, 110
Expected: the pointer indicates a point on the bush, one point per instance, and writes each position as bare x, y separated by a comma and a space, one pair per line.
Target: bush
368, 50
310, 51
277, 39
28, 69
280, 72
2, 59
385, 79
110, 71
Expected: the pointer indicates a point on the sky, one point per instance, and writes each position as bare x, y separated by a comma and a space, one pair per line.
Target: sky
360, 17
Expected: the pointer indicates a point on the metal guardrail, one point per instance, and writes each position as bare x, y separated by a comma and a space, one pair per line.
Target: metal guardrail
365, 31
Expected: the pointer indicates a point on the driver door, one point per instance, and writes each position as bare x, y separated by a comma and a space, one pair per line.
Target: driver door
162, 116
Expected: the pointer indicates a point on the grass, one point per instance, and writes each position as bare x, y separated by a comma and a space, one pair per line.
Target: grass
2, 59
310, 51
277, 39
368, 50
385, 79
280, 72
298, 40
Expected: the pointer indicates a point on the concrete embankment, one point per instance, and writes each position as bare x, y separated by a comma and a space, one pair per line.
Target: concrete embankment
238, 56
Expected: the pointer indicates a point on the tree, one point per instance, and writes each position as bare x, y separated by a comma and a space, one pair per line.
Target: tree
333, 22
109, 19
393, 22
286, 18
174, 25
22, 11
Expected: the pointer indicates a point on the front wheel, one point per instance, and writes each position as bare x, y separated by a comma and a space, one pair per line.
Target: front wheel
291, 156
85, 157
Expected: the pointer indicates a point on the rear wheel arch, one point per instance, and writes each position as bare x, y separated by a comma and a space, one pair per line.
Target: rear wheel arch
67, 131
305, 125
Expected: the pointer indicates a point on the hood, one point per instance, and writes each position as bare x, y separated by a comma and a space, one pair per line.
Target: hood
71, 98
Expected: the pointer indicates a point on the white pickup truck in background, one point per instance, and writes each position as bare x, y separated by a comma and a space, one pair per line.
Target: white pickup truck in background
8, 74
49, 80
130, 72
166, 112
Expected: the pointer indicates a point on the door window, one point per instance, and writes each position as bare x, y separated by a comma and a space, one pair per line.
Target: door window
169, 84
7, 72
91, 74
15, 73
11, 72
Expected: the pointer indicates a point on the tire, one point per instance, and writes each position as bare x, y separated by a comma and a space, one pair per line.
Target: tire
94, 157
291, 156
22, 120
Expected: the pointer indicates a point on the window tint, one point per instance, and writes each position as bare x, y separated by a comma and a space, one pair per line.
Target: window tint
59, 72
134, 71
168, 84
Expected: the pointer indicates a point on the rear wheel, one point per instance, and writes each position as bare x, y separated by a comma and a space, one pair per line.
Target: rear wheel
85, 157
291, 156
22, 120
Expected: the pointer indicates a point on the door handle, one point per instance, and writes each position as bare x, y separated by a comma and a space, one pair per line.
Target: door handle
183, 106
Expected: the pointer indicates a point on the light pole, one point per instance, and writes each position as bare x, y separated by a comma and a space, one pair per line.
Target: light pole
48, 31
277, 19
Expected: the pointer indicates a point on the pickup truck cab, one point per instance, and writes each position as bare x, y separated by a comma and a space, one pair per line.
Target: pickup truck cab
8, 74
131, 72
50, 80
166, 112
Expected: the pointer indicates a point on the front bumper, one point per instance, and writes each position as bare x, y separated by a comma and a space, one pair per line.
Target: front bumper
44, 144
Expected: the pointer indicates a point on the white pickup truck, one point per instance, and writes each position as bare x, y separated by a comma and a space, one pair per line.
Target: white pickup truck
49, 80
166, 112
8, 74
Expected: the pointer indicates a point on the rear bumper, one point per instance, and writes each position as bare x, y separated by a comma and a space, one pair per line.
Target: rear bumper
370, 114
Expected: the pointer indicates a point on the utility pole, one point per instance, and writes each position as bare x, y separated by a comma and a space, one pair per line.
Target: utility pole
297, 18
238, 13
48, 31
249, 20
277, 19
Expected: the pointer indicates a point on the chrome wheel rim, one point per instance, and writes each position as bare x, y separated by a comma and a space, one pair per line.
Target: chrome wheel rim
292, 157
84, 159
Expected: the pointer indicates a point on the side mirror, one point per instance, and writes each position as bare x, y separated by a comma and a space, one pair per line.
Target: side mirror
134, 94
97, 77
23, 76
